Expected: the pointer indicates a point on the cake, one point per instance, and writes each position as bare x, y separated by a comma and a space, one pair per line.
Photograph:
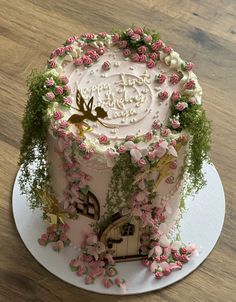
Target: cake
114, 139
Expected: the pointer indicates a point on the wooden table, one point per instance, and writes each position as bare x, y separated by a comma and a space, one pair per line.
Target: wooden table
203, 32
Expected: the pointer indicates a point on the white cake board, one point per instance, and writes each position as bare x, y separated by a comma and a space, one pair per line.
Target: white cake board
201, 224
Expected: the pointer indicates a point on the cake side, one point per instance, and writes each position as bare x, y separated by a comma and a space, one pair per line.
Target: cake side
121, 125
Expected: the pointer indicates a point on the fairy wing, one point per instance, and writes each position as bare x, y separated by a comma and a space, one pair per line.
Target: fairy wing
80, 101
89, 106
76, 119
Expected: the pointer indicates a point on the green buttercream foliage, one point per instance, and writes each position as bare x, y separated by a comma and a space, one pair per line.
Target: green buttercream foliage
120, 191
33, 144
121, 186
194, 120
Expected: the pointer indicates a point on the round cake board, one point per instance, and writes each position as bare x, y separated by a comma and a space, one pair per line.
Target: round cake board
201, 224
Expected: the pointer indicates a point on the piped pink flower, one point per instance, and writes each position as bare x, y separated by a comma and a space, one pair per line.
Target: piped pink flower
108, 283
150, 64
57, 115
138, 30
189, 66
135, 37
126, 52
167, 49
50, 96
181, 106
163, 95
175, 96
190, 84
115, 37
78, 62
161, 78
49, 82
103, 139
123, 44
106, 65
174, 79
157, 45
137, 151
142, 49
59, 90
88, 280
147, 39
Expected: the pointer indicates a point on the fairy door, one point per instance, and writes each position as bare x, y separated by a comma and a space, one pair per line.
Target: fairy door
122, 238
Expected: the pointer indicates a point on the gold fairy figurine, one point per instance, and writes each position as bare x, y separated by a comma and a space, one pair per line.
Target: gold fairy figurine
85, 110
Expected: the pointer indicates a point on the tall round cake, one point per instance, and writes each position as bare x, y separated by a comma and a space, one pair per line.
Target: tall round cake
117, 127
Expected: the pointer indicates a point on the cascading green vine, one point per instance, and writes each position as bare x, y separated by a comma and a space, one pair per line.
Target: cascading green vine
121, 189
121, 186
194, 120
33, 145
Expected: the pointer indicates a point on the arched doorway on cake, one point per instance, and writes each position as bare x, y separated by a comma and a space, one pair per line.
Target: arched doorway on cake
122, 238
88, 205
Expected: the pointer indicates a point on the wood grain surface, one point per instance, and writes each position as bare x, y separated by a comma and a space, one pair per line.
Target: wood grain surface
203, 32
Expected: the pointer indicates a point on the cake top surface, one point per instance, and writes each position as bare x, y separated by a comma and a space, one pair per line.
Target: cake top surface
132, 75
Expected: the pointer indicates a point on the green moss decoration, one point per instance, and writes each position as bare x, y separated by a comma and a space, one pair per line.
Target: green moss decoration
120, 191
33, 145
121, 186
194, 120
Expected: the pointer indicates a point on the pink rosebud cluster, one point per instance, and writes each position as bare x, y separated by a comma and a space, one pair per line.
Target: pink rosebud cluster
49, 82
59, 90
148, 136
67, 101
123, 44
167, 49
89, 57
52, 64
115, 38
57, 235
50, 96
181, 106
165, 257
190, 84
87, 60
57, 115
154, 56
165, 132
142, 49
192, 100
126, 52
70, 40
102, 34
188, 66
163, 95
156, 125
103, 139
151, 63
157, 45
106, 65
147, 39
160, 79
174, 121
89, 36
94, 262
92, 54
175, 96
174, 78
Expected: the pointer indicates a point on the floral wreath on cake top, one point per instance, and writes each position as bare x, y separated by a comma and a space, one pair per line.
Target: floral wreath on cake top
49, 99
